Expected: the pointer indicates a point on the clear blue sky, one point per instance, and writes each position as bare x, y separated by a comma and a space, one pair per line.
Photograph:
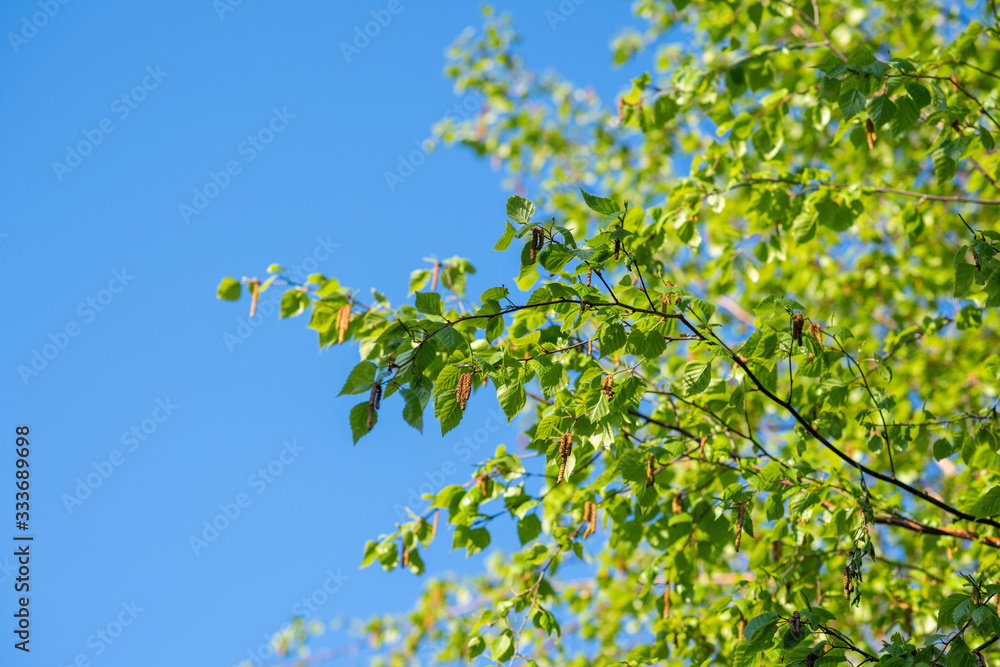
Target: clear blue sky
100, 265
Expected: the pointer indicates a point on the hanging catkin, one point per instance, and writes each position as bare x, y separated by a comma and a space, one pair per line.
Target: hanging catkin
374, 400
608, 386
434, 275
463, 390
650, 470
816, 331
797, 322
740, 515
254, 292
565, 448
343, 321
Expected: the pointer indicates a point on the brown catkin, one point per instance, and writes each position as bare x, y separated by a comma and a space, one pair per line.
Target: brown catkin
618, 248
810, 659
592, 526
434, 526
675, 504
666, 600
870, 134
254, 292
463, 390
537, 241
740, 515
816, 331
797, 322
795, 623
434, 275
776, 550
590, 346
847, 582
483, 481
343, 321
374, 401
406, 554
608, 386
740, 625
565, 448
650, 470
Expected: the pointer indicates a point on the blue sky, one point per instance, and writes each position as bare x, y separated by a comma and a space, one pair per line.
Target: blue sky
118, 116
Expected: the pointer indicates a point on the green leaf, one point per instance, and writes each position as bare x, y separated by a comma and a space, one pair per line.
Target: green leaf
229, 289
756, 623
945, 167
804, 226
612, 338
520, 210
508, 235
697, 376
359, 421
429, 302
360, 379
600, 205
907, 114
918, 93
447, 410
528, 528
293, 303
964, 275
371, 550
476, 646
881, 109
502, 647
988, 505
512, 398
852, 102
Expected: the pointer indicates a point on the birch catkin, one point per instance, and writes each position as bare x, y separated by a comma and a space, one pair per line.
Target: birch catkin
463, 390
589, 273
255, 292
666, 600
740, 515
374, 400
343, 321
797, 322
608, 386
565, 448
434, 275
650, 471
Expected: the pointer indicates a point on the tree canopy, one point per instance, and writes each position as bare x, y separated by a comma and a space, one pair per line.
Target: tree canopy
752, 344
